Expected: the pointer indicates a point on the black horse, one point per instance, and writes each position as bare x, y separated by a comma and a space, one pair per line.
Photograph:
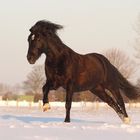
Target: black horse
75, 72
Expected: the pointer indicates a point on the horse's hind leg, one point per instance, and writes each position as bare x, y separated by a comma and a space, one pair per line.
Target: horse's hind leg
118, 98
100, 92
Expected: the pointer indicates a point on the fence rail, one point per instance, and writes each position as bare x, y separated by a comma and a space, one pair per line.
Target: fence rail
93, 105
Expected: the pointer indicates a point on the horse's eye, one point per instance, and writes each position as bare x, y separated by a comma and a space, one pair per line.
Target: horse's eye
33, 37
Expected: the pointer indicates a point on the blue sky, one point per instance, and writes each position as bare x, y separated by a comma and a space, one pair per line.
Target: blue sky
89, 26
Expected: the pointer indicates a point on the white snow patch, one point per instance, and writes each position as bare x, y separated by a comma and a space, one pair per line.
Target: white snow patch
24, 123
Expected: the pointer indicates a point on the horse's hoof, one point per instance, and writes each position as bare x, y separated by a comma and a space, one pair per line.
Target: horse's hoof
126, 120
46, 107
67, 121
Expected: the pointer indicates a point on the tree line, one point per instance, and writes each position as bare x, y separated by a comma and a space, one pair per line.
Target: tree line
32, 86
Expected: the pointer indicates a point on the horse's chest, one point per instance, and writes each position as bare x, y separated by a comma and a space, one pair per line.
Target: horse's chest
56, 78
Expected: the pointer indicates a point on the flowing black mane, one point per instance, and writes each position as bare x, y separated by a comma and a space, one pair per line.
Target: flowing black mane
44, 27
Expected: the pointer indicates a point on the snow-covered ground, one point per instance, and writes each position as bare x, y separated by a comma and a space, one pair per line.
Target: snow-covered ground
90, 123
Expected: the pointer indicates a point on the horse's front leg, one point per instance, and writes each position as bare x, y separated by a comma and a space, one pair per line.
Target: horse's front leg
69, 94
45, 90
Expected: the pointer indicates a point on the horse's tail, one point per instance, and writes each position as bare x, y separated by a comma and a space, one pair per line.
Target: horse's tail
128, 89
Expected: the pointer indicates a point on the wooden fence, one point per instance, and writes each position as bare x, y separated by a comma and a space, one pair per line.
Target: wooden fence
82, 105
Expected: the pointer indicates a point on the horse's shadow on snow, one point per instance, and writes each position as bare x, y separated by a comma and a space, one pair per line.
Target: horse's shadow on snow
31, 119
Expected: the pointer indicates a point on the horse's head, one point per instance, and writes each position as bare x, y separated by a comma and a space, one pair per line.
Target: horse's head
37, 44
37, 40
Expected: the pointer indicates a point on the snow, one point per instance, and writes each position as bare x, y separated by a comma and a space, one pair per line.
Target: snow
87, 122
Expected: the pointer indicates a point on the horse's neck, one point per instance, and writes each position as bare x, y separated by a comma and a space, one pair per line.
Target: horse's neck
58, 50
55, 45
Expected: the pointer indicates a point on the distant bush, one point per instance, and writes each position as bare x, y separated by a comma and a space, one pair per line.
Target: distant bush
37, 97
29, 98
9, 96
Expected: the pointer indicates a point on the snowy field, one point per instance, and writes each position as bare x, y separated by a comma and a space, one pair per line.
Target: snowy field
90, 123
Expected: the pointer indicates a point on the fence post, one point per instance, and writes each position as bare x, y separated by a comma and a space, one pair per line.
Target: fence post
130, 105
97, 105
7, 102
39, 105
17, 103
30, 104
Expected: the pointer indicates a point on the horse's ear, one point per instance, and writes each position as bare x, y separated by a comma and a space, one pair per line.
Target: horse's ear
30, 29
33, 29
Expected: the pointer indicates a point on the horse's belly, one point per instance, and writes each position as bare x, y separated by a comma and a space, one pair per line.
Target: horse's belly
85, 82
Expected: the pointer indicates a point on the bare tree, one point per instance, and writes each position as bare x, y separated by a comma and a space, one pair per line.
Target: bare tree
4, 88
137, 40
35, 80
121, 61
